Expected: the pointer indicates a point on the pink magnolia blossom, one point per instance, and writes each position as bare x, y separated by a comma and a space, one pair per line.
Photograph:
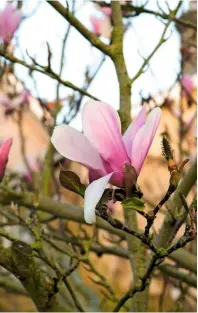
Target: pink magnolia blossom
107, 11
102, 148
9, 22
187, 83
96, 22
4, 152
14, 103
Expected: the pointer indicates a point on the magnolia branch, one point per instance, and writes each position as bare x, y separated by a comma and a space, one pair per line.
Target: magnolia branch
160, 43
120, 65
164, 16
74, 213
130, 10
189, 235
184, 187
91, 37
18, 259
153, 213
118, 59
12, 286
140, 285
182, 257
101, 250
191, 280
46, 71
71, 212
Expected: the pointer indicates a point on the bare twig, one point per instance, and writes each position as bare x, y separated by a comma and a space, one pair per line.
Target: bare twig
42, 69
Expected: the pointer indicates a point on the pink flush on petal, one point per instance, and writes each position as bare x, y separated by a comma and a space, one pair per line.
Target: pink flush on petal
4, 153
96, 22
187, 83
107, 11
9, 22
102, 148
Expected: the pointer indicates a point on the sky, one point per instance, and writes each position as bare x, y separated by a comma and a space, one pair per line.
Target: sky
140, 39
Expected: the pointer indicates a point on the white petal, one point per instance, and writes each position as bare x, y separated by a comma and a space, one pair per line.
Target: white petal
93, 194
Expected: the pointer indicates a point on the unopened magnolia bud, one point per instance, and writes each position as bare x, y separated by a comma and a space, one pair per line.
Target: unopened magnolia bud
167, 152
166, 149
4, 152
175, 178
10, 20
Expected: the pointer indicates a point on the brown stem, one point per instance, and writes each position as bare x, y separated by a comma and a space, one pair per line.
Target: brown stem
91, 37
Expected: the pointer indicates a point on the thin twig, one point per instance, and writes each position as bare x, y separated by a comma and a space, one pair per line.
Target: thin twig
161, 41
42, 69
74, 296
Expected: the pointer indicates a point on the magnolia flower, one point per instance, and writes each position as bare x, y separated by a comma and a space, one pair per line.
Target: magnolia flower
102, 148
9, 22
15, 103
4, 152
107, 11
187, 82
96, 24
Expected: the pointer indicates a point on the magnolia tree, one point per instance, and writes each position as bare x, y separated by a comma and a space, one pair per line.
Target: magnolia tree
40, 251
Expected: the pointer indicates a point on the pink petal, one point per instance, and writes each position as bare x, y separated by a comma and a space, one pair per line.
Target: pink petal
7, 12
5, 18
95, 21
95, 174
187, 82
133, 128
93, 194
144, 139
4, 152
101, 125
16, 19
107, 11
9, 22
73, 145
117, 179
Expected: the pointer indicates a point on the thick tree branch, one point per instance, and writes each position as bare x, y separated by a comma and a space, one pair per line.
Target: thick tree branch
19, 260
12, 286
172, 271
91, 37
182, 256
136, 249
120, 65
130, 10
184, 187
75, 213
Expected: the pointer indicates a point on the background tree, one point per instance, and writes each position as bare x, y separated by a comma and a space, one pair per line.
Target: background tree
48, 253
